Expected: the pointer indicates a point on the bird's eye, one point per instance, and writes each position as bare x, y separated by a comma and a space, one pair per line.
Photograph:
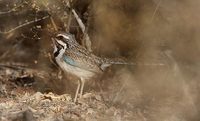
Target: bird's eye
59, 37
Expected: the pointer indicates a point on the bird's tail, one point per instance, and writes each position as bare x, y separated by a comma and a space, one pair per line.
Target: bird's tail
120, 61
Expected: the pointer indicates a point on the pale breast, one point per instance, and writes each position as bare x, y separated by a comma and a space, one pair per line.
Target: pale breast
81, 73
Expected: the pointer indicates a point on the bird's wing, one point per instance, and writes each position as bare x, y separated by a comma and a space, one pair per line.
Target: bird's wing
82, 61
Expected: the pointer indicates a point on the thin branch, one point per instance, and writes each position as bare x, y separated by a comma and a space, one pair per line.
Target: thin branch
156, 9
22, 25
178, 73
54, 24
69, 21
12, 9
82, 26
118, 93
83, 29
52, 20
16, 66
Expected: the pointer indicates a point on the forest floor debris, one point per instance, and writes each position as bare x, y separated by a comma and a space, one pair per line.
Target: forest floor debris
22, 102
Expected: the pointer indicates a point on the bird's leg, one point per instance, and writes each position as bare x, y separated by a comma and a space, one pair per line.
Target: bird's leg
77, 90
82, 86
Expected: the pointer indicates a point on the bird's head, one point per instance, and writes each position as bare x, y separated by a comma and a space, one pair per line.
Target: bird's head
63, 41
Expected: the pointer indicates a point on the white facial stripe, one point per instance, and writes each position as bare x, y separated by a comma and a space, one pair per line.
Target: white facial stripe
55, 49
66, 37
61, 43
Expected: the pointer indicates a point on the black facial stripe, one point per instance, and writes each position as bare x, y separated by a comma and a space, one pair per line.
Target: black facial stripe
67, 45
57, 52
60, 44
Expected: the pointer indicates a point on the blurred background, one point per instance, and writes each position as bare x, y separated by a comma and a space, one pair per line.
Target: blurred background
146, 32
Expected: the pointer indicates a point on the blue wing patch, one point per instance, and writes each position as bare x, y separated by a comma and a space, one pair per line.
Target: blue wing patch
69, 61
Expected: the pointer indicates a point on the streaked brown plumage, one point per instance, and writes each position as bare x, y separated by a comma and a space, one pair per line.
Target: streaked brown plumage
77, 60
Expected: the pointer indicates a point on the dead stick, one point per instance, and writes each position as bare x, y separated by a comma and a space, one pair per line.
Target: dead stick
156, 9
52, 20
82, 26
53, 23
12, 9
69, 21
83, 29
22, 25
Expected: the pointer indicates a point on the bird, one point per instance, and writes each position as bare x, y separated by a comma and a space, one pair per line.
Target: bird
75, 59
